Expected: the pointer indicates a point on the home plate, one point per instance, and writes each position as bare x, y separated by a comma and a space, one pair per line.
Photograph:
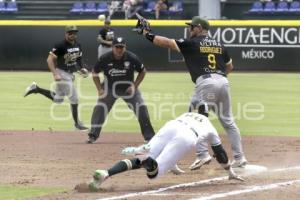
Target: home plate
250, 169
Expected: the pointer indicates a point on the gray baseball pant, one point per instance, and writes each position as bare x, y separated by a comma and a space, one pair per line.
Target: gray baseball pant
102, 50
215, 91
65, 87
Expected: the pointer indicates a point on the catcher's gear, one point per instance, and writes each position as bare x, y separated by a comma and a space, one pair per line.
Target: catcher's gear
142, 24
83, 72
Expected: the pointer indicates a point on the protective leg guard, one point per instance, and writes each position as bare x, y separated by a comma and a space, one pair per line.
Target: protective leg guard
151, 166
221, 156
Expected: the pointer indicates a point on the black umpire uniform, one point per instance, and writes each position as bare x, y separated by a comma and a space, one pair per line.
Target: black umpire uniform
118, 67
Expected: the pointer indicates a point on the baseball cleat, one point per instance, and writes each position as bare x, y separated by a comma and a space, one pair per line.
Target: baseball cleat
98, 178
92, 139
239, 162
140, 152
79, 126
30, 89
176, 170
199, 162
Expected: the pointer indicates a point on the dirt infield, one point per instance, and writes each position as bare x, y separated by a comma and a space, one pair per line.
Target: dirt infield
62, 159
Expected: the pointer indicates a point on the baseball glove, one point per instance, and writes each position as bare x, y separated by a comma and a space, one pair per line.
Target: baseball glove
142, 25
83, 72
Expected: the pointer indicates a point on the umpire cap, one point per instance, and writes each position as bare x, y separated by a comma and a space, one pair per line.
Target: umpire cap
71, 28
119, 41
196, 21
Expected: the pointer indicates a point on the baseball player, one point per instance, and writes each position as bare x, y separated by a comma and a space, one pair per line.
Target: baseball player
209, 64
118, 67
167, 147
63, 60
105, 38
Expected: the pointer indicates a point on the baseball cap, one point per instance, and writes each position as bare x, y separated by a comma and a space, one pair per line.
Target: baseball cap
196, 21
119, 41
71, 28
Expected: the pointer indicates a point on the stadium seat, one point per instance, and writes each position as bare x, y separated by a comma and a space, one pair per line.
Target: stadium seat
176, 8
90, 7
102, 7
269, 7
150, 7
282, 6
2, 6
77, 7
11, 6
295, 6
256, 7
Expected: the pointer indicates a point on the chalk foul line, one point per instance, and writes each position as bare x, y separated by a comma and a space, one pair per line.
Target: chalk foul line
207, 181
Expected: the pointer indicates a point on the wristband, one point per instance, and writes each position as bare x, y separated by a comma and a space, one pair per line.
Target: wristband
150, 36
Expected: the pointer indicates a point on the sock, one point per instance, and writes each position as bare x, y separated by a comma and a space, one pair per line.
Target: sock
151, 166
47, 93
74, 108
124, 165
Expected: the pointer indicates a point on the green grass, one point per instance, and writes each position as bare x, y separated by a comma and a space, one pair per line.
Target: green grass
18, 192
166, 94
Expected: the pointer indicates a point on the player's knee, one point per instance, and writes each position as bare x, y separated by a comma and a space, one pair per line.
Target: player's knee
74, 100
200, 107
58, 100
220, 154
203, 109
151, 166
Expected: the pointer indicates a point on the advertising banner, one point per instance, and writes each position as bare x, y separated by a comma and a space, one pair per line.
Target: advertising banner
254, 45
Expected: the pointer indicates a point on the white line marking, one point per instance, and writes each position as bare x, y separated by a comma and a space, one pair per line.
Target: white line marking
286, 169
151, 192
252, 189
166, 188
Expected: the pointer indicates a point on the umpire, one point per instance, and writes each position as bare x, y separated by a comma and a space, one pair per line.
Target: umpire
63, 60
208, 63
118, 67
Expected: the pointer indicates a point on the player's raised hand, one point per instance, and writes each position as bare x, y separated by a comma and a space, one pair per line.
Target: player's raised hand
83, 72
142, 26
57, 77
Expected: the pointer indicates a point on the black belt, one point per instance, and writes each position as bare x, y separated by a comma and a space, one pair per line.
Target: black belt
191, 128
205, 76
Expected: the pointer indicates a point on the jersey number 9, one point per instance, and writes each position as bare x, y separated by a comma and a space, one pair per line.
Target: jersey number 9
212, 61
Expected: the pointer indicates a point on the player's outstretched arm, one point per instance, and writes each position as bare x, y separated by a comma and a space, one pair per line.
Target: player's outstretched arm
165, 42
221, 156
143, 27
